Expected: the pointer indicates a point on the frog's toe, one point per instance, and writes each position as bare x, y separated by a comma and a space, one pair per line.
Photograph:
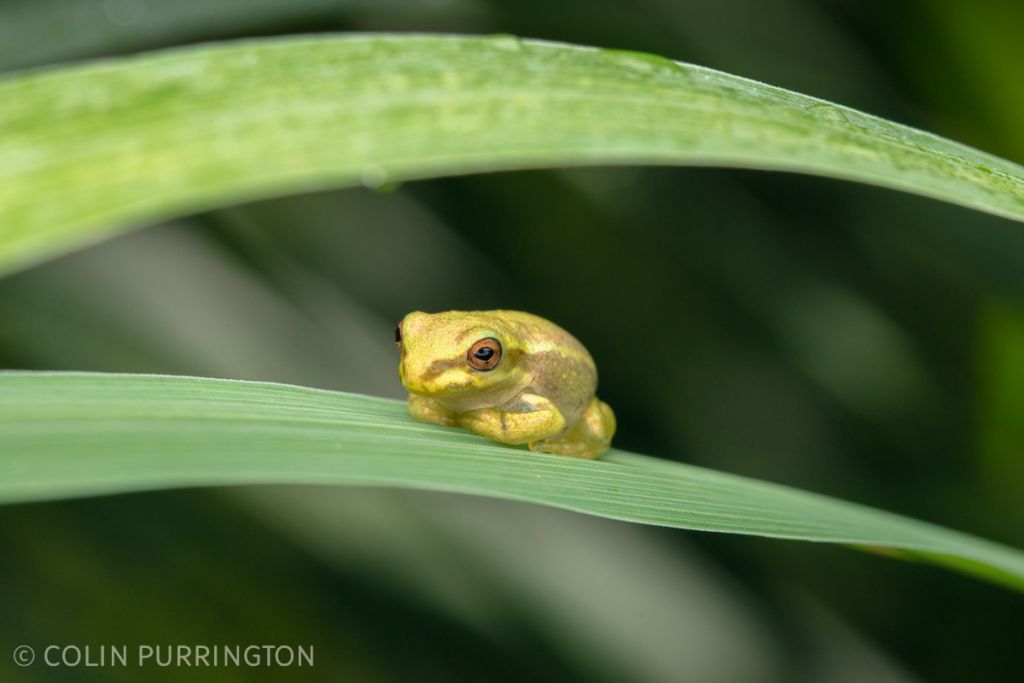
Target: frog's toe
575, 448
429, 410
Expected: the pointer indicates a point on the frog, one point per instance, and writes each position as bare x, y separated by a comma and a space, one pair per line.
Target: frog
511, 376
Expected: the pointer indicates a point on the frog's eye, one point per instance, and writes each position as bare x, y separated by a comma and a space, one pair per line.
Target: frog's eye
485, 354
398, 335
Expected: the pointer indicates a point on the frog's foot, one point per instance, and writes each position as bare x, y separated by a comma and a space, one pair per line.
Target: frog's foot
589, 438
533, 417
429, 410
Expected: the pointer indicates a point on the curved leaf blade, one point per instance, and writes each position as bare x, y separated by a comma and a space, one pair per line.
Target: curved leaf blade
76, 434
86, 151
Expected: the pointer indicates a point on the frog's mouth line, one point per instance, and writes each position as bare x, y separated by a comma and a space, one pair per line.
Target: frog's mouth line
417, 383
440, 366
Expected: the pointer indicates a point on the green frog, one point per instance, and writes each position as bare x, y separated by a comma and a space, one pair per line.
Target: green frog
510, 376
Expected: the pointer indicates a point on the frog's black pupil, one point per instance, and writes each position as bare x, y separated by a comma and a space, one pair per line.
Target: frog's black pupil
485, 353
398, 334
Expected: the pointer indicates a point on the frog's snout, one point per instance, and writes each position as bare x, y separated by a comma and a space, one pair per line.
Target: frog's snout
407, 331
407, 373
404, 373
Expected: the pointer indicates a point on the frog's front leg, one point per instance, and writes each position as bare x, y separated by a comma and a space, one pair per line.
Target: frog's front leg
527, 418
429, 410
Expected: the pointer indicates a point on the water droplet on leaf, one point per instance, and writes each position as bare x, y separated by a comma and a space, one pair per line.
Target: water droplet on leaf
828, 112
374, 177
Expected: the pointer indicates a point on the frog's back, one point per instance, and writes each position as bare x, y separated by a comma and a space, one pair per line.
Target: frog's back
561, 367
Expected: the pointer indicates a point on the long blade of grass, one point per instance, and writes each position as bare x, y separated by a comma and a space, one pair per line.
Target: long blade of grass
76, 434
86, 151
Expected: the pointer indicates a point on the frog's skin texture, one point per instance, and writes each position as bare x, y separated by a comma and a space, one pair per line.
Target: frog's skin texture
540, 391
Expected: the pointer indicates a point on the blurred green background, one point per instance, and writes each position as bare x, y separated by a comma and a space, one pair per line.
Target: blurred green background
848, 340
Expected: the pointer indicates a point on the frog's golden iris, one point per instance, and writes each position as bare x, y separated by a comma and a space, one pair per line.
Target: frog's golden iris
511, 376
484, 355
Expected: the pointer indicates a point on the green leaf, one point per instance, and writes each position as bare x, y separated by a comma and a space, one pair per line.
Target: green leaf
86, 151
75, 434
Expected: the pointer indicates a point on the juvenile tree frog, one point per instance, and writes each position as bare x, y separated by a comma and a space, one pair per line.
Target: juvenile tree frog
513, 377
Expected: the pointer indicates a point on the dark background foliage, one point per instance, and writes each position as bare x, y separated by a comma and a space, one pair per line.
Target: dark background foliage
845, 339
